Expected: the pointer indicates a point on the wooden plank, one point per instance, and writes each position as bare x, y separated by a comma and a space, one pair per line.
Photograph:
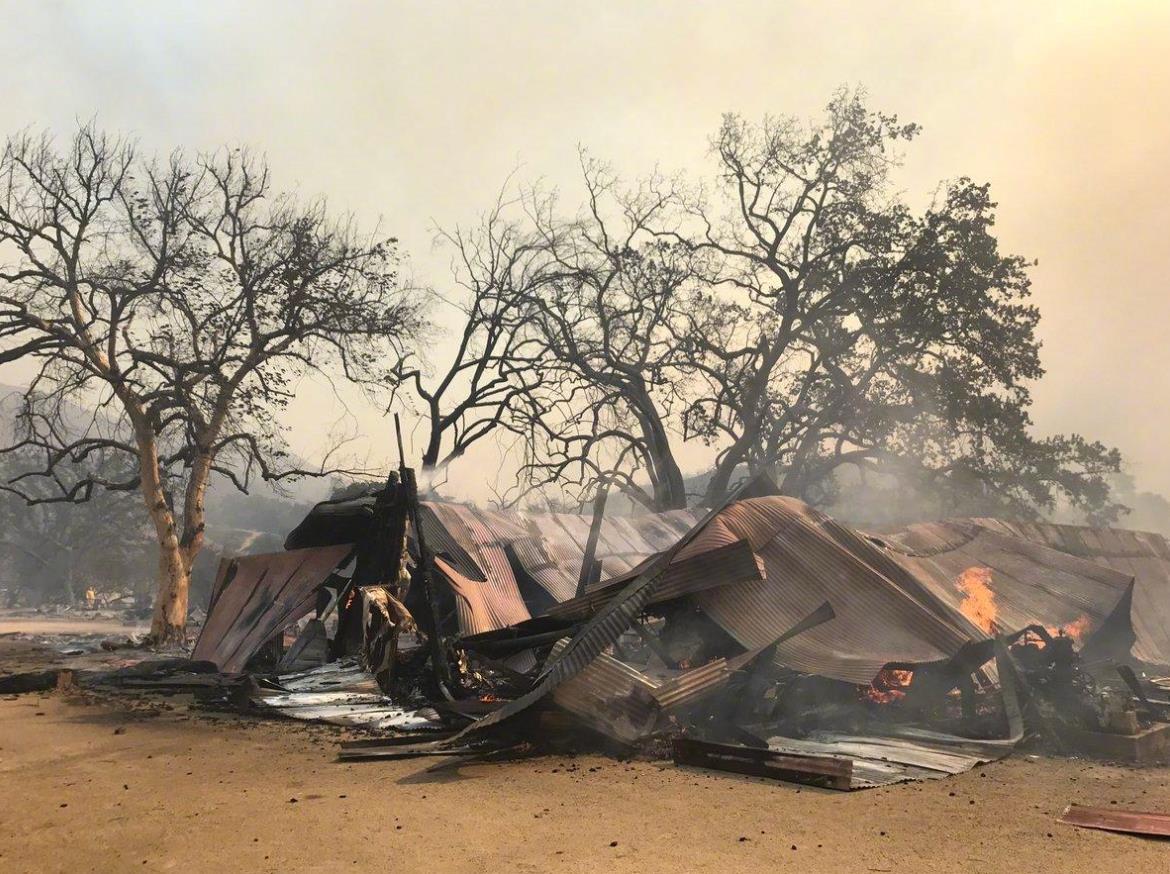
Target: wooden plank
1114, 820
831, 772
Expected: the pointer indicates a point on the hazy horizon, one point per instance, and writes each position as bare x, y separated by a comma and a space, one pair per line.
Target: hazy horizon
415, 114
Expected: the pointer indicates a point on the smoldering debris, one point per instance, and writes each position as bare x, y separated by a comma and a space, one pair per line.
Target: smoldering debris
760, 637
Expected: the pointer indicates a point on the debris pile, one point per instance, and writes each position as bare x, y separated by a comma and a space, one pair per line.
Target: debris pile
757, 633
760, 636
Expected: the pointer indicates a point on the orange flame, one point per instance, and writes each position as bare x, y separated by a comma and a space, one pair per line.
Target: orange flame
889, 685
1078, 629
978, 602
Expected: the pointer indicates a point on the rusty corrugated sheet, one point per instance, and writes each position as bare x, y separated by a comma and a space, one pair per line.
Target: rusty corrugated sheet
260, 596
483, 605
1114, 820
884, 613
549, 546
1032, 583
692, 685
610, 696
1062, 584
719, 566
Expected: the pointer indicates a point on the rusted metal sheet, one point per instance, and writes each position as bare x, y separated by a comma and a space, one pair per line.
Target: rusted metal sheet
830, 772
1032, 583
721, 566
484, 605
881, 761
884, 613
691, 686
260, 596
1114, 820
611, 697
549, 546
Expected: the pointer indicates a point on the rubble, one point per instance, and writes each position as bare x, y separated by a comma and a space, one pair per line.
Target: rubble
760, 636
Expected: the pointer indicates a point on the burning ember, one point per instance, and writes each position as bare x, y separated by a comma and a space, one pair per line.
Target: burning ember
978, 602
889, 685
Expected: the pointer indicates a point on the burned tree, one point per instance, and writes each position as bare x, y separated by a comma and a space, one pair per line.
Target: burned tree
174, 302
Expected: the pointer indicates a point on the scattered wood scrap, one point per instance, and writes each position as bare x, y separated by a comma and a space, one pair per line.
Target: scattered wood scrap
1113, 820
826, 771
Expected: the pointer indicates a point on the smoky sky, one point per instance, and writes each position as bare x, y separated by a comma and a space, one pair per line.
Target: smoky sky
412, 114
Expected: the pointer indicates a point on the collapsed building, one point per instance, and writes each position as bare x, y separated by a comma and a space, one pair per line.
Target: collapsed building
760, 636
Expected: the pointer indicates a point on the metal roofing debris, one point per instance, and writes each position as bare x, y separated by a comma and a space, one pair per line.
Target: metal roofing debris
1114, 820
604, 628
721, 566
884, 613
260, 596
351, 697
880, 761
1032, 583
763, 581
609, 696
1140, 554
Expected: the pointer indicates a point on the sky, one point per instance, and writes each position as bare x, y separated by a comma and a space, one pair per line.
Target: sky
413, 114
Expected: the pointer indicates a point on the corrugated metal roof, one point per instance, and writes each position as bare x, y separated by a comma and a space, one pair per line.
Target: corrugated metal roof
884, 614
261, 595
1032, 583
1061, 584
609, 695
720, 566
554, 542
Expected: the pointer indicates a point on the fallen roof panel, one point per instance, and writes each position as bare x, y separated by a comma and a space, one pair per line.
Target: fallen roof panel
884, 613
1142, 554
261, 595
1032, 583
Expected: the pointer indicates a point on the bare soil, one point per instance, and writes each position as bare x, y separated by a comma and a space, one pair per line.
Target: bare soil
108, 786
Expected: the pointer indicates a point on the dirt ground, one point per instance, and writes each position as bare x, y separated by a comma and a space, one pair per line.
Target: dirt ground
97, 786
98, 626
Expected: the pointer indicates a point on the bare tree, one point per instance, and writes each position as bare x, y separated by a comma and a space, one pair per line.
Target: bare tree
496, 366
177, 301
605, 315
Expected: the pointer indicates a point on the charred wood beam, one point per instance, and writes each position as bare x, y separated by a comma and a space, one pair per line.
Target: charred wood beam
441, 665
832, 773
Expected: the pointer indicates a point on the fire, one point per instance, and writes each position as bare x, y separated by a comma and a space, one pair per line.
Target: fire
1078, 629
889, 685
978, 602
